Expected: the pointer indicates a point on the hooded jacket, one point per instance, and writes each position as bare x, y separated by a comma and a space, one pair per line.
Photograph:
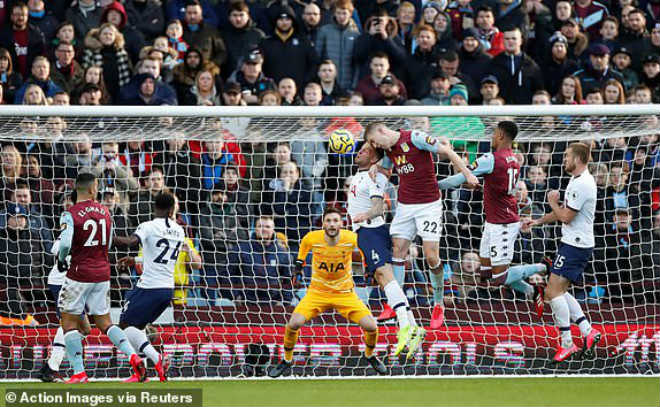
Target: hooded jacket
150, 20
134, 40
163, 93
207, 39
83, 22
114, 60
517, 86
239, 42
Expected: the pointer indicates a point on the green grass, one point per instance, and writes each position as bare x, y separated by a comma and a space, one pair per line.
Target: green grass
564, 391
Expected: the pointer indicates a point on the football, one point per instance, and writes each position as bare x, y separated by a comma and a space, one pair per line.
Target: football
341, 141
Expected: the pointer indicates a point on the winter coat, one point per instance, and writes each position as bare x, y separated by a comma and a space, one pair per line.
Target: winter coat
114, 60
512, 16
337, 43
36, 45
163, 92
134, 40
184, 77
84, 22
207, 40
22, 257
420, 70
369, 44
474, 64
239, 42
218, 227
49, 87
150, 20
47, 24
589, 78
554, 72
518, 88
639, 45
294, 58
292, 210
182, 175
177, 9
74, 75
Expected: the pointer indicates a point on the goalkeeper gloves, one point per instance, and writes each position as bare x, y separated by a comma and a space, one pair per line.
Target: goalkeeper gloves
298, 275
62, 266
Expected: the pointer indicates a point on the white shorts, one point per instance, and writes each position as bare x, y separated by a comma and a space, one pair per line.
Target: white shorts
76, 297
424, 220
497, 242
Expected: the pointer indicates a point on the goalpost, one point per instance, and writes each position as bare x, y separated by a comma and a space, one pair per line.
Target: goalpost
242, 293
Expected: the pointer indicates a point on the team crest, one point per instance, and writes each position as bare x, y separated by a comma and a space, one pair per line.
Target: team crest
405, 148
430, 140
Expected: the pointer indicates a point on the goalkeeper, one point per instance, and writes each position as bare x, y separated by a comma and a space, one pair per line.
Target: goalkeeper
331, 288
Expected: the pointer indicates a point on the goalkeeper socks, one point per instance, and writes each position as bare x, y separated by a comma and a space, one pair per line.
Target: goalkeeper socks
398, 302
74, 349
370, 338
577, 315
561, 314
290, 339
399, 270
58, 351
119, 339
438, 284
139, 341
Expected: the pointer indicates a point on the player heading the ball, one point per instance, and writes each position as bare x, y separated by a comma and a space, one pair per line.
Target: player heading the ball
419, 208
332, 287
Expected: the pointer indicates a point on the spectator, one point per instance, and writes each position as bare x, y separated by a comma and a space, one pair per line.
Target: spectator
439, 94
64, 32
517, 73
264, 263
40, 77
311, 22
378, 37
490, 89
642, 94
186, 72
270, 98
162, 93
474, 60
41, 18
577, 41
150, 93
204, 92
82, 157
142, 206
10, 81
570, 92
557, 65
23, 40
537, 182
287, 53
202, 35
68, 72
114, 173
329, 85
424, 61
430, 11
336, 41
618, 195
34, 96
109, 198
84, 17
609, 32
526, 206
36, 221
181, 171
614, 93
42, 188
290, 203
442, 27
621, 61
511, 15
93, 75
214, 161
405, 19
104, 47
598, 70
289, 92
174, 34
369, 85
241, 36
651, 75
367, 8
592, 15
22, 258
61, 99
309, 153
147, 17
450, 63
12, 162
251, 77
636, 38
656, 242
390, 94
489, 35
90, 95
115, 14
463, 283
177, 9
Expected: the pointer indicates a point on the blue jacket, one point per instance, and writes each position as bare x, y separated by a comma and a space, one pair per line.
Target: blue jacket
212, 169
266, 266
177, 9
49, 87
163, 92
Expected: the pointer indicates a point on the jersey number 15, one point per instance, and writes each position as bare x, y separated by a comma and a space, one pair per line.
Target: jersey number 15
513, 180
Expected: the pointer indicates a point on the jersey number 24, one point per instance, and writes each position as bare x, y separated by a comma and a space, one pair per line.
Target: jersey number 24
165, 244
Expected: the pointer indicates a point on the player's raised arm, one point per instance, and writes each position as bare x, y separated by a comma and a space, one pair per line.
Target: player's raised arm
484, 165
433, 144
133, 240
300, 262
66, 240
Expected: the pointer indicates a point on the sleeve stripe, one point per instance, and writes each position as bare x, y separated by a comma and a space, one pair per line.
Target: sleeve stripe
376, 196
571, 208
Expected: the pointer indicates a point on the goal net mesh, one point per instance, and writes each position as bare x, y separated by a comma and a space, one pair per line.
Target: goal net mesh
228, 171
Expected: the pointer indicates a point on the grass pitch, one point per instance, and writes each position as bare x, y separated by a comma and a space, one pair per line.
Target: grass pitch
562, 391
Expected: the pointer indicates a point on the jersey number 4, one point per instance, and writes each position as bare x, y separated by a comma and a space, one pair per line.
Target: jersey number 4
513, 180
165, 244
94, 226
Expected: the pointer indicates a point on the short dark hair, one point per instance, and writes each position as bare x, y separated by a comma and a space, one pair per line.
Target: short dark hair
330, 210
485, 9
370, 128
21, 184
379, 54
238, 6
84, 180
164, 201
582, 151
449, 56
509, 128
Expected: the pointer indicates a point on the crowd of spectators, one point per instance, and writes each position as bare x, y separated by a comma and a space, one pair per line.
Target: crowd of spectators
246, 204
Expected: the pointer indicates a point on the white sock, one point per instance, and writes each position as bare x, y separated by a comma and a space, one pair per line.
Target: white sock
398, 302
141, 344
577, 316
411, 318
58, 351
562, 317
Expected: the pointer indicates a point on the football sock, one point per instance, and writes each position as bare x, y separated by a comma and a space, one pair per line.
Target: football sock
561, 314
523, 271
73, 341
399, 270
370, 338
58, 351
119, 339
290, 339
438, 284
577, 315
140, 342
411, 318
398, 301
521, 286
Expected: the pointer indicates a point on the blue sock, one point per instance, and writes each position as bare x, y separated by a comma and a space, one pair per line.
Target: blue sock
438, 284
118, 337
523, 271
399, 271
74, 350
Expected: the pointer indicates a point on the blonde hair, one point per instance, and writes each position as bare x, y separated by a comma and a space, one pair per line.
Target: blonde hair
9, 149
43, 101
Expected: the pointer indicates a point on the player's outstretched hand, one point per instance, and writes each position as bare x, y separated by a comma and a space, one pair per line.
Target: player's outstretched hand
527, 225
472, 182
125, 262
553, 196
62, 266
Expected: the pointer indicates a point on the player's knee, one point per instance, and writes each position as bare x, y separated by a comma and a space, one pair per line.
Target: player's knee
296, 322
383, 275
369, 324
84, 329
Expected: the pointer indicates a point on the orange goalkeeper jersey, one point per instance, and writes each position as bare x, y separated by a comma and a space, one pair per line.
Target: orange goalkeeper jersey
331, 265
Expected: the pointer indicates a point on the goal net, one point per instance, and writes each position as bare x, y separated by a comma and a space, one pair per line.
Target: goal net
230, 167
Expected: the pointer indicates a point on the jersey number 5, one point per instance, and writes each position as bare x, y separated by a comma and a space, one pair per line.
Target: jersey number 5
513, 180
160, 259
91, 224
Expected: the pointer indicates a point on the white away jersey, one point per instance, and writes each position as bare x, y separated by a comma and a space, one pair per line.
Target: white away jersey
161, 241
55, 277
580, 196
362, 189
